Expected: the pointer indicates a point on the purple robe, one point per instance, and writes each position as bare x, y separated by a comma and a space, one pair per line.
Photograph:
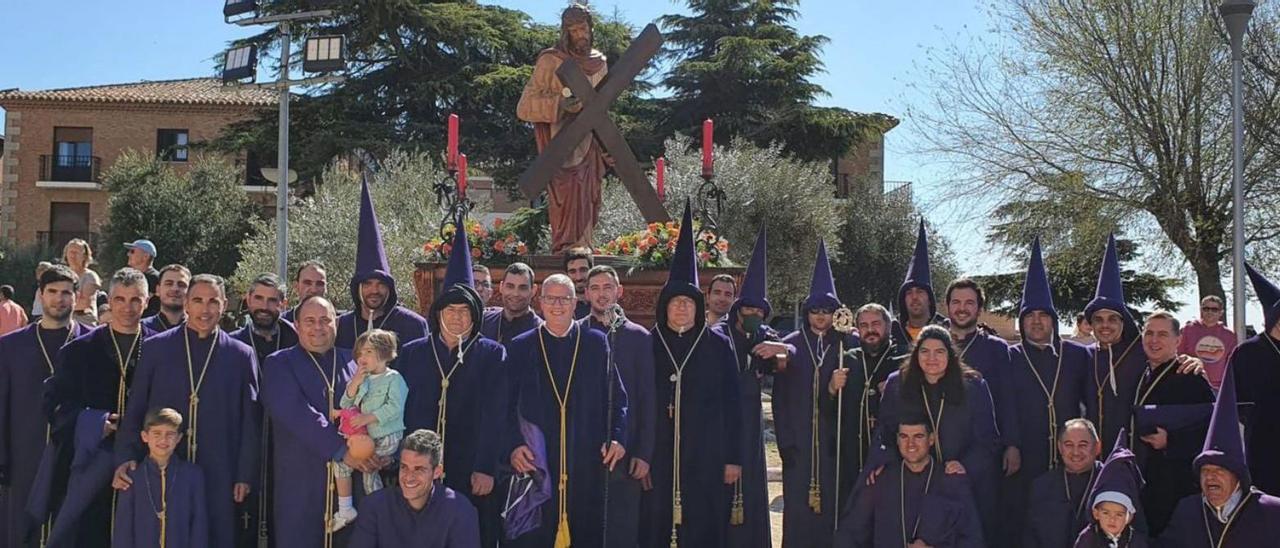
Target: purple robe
387, 521
1256, 364
24, 433
990, 355
476, 409
632, 353
710, 438
1032, 431
1168, 472
405, 323
869, 368
86, 377
931, 506
535, 401
227, 426
793, 413
297, 399
1092, 537
1058, 508
967, 433
137, 524
1110, 409
1256, 524
159, 323
253, 516
499, 328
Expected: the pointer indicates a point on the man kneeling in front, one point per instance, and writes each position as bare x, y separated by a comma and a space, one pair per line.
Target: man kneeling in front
418, 512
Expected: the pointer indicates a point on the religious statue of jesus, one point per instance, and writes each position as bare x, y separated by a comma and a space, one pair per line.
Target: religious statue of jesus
573, 197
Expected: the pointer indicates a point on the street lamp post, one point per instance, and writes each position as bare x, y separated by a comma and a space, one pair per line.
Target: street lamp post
1236, 14
323, 54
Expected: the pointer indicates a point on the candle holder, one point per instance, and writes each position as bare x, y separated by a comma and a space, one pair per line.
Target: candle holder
710, 195
453, 204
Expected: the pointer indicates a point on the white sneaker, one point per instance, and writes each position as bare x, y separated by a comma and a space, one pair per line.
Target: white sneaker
342, 518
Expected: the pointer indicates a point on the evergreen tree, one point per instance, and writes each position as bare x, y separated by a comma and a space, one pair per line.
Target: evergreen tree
741, 63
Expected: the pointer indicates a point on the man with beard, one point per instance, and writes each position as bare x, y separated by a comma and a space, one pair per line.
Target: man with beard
91, 385
417, 512
988, 354
866, 368
631, 352
516, 316
917, 304
577, 262
309, 280
301, 386
202, 370
913, 504
1043, 389
1256, 363
1056, 509
1174, 427
806, 435
174, 280
562, 387
26, 360
266, 334
758, 351
1117, 360
720, 296
373, 289
1229, 509
573, 197
698, 443
457, 387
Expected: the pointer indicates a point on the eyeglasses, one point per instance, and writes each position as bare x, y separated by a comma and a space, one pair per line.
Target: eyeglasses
820, 311
485, 285
558, 301
1211, 309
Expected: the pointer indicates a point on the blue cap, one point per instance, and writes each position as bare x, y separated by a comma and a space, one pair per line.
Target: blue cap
144, 245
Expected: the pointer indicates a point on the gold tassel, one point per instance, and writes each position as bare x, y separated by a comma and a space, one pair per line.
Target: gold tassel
677, 513
737, 516
815, 498
562, 533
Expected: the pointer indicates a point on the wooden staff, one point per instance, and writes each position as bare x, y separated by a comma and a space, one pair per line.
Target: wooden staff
842, 322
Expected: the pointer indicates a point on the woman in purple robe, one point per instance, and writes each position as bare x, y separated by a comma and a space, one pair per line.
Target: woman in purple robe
935, 383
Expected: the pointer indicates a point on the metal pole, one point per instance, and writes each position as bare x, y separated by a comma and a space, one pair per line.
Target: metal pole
282, 160
1235, 14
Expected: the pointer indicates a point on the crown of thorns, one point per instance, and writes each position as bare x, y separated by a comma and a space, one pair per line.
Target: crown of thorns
576, 13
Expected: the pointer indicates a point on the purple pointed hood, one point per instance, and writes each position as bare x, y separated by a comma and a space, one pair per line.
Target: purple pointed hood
1224, 445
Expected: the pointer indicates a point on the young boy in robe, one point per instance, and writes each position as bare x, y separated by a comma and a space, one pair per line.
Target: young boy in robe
166, 505
1115, 503
373, 401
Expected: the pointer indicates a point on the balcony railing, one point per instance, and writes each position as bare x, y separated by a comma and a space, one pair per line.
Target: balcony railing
55, 240
69, 169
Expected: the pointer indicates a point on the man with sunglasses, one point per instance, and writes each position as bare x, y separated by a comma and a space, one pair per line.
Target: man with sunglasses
1209, 339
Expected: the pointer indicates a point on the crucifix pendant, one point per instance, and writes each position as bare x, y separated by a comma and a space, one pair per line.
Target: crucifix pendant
671, 411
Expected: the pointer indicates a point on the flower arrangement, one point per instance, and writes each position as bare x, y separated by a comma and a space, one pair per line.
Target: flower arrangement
654, 246
496, 246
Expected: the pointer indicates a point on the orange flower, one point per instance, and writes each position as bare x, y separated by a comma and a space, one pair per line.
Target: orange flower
497, 223
522, 249
497, 246
475, 253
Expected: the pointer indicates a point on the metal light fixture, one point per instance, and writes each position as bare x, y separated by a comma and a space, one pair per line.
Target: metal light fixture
324, 54
240, 65
1236, 14
238, 7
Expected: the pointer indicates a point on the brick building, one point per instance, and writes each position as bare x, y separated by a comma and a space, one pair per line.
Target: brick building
58, 143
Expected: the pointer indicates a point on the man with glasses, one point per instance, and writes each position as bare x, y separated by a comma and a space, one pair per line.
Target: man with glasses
1209, 339
482, 282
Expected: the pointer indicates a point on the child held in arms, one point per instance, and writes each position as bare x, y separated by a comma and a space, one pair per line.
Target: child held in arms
166, 505
372, 407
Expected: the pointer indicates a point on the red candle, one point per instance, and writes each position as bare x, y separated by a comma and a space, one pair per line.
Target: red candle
462, 175
451, 159
708, 129
661, 174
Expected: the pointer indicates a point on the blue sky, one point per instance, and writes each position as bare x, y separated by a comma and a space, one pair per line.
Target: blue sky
873, 48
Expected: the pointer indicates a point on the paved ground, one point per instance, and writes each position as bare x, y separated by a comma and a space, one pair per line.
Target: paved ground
774, 462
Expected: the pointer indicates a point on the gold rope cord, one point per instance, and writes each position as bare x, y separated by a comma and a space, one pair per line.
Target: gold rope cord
48, 429
902, 500
1050, 394
1140, 399
193, 401
677, 512
1110, 378
815, 460
563, 538
122, 360
937, 422
329, 486
442, 407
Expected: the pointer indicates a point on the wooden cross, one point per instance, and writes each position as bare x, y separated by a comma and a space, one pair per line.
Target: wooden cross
594, 116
